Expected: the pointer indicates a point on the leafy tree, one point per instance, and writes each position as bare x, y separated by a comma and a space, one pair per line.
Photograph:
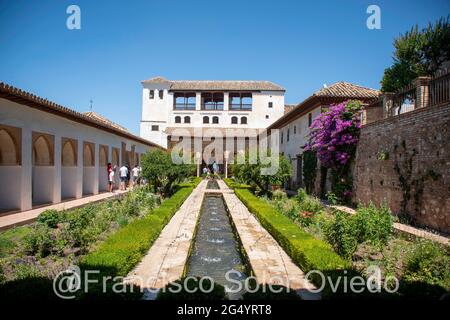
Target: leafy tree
418, 53
159, 169
250, 173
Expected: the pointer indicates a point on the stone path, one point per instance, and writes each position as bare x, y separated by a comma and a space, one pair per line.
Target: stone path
403, 228
24, 217
166, 259
268, 260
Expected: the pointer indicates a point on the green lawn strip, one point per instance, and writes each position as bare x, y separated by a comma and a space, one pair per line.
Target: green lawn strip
308, 252
123, 250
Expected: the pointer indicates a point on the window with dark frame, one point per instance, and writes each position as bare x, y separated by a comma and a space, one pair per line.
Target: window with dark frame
205, 119
234, 120
244, 120
240, 101
212, 100
270, 104
309, 119
151, 94
282, 137
184, 101
155, 128
161, 93
215, 120
177, 119
295, 129
287, 135
187, 119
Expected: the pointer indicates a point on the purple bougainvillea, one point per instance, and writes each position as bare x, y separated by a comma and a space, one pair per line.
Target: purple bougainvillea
334, 134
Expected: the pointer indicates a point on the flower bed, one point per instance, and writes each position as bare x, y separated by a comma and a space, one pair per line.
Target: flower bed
367, 238
111, 235
308, 252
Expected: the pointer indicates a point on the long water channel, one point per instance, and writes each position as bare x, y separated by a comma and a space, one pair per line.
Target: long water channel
216, 249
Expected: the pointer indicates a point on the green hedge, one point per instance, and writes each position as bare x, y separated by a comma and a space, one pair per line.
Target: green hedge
308, 252
123, 250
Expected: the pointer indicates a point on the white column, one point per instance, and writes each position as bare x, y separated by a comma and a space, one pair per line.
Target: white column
96, 167
26, 182
226, 156
226, 99
79, 182
198, 101
57, 171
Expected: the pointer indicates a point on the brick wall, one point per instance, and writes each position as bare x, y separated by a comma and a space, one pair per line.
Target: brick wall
413, 147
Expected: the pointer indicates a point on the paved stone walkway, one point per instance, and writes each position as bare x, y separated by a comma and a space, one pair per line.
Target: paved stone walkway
404, 228
269, 262
167, 258
24, 217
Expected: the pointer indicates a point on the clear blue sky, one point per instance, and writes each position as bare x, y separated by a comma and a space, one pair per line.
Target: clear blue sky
298, 45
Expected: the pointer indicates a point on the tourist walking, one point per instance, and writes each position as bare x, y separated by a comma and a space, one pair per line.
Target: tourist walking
135, 175
215, 168
111, 178
123, 177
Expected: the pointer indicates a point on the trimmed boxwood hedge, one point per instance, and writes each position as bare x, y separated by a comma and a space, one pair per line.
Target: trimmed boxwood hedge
308, 252
123, 250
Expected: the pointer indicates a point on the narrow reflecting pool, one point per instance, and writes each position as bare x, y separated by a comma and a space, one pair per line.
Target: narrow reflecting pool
216, 249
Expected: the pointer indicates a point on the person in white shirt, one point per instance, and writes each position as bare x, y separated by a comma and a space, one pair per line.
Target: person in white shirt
111, 178
135, 175
123, 177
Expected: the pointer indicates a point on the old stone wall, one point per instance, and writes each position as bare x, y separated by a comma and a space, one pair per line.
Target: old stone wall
405, 161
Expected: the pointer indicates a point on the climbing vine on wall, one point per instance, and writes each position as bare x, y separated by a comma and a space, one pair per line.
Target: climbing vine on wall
411, 183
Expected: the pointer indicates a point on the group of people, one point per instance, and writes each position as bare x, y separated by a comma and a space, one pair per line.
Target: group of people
126, 174
213, 169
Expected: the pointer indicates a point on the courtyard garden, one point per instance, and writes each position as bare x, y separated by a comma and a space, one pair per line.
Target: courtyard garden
110, 236
318, 237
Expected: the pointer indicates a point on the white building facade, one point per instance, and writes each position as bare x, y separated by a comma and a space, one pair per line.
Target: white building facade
294, 126
168, 105
49, 153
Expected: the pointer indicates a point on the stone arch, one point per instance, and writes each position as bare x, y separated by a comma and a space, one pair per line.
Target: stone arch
42, 150
103, 156
68, 153
115, 157
9, 150
88, 155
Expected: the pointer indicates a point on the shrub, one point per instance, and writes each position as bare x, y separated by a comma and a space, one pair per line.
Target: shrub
308, 252
429, 263
342, 235
279, 195
373, 225
51, 218
301, 195
369, 224
125, 248
40, 241
308, 203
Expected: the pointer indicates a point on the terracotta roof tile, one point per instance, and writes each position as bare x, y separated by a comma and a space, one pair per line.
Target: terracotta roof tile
347, 90
23, 97
98, 117
217, 85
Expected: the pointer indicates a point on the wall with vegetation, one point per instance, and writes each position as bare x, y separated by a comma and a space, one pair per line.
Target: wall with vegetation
405, 161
